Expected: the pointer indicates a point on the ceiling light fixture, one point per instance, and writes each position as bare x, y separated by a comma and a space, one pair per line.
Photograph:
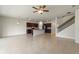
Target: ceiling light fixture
40, 9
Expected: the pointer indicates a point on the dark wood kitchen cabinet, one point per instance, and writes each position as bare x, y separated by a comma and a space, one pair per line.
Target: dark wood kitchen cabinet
30, 27
47, 27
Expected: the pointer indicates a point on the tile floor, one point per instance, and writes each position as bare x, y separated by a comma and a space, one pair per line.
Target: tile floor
42, 44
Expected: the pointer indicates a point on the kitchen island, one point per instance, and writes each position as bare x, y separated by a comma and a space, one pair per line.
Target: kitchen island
38, 32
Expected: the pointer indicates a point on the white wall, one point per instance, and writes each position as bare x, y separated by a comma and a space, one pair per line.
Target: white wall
9, 26
69, 32
0, 28
77, 26
53, 27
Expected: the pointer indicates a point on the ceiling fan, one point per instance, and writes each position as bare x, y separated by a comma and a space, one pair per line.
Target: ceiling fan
40, 9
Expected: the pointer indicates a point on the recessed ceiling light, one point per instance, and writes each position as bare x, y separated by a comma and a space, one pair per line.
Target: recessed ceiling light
18, 23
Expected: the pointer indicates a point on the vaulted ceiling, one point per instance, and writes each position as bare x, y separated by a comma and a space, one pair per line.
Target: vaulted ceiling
25, 11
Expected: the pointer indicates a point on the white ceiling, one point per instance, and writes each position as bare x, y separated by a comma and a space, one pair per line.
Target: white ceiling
25, 11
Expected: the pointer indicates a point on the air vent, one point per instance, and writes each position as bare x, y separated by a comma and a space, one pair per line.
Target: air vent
73, 5
69, 12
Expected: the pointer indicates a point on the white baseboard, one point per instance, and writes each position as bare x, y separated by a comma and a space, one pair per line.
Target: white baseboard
65, 37
76, 41
11, 35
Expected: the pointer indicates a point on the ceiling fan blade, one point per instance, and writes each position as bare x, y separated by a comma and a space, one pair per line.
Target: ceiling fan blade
40, 6
35, 11
44, 6
35, 8
46, 10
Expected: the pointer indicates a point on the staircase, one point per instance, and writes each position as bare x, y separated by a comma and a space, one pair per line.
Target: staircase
66, 24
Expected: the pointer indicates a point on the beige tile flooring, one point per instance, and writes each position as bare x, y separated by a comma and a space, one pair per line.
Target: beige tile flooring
42, 44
